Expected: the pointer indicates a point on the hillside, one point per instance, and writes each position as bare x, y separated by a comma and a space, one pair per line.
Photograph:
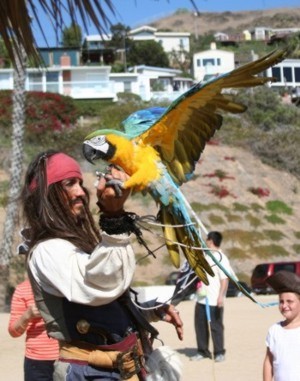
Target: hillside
228, 22
254, 229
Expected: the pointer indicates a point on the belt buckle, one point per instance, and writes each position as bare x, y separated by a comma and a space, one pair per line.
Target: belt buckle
130, 355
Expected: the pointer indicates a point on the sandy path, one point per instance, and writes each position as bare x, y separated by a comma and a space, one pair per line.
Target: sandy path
246, 325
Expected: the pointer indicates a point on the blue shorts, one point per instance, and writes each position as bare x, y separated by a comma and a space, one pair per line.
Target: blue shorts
65, 371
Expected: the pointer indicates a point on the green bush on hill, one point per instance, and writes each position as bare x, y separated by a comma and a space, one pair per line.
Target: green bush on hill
269, 129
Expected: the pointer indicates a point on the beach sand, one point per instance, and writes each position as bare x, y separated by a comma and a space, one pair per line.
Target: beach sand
246, 325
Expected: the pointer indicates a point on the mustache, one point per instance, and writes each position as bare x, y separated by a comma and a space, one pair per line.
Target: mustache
75, 200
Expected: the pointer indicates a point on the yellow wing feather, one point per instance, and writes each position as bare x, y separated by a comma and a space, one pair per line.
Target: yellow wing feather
194, 117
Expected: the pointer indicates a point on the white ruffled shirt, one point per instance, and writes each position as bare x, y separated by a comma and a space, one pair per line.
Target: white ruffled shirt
95, 279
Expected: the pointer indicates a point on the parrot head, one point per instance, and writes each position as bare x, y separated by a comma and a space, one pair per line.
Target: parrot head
101, 144
97, 147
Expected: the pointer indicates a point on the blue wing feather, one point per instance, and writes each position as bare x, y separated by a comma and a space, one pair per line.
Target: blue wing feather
138, 122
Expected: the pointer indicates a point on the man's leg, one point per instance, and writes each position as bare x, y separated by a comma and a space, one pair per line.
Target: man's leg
201, 329
217, 330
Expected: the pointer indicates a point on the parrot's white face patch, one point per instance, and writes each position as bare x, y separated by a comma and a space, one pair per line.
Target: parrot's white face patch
99, 143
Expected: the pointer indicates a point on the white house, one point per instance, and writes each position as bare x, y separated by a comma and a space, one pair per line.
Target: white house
170, 41
287, 74
261, 33
212, 62
161, 83
219, 36
97, 82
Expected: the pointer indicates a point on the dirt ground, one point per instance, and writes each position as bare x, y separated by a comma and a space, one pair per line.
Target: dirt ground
246, 325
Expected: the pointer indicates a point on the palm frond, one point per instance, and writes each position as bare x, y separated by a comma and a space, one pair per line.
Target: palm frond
16, 17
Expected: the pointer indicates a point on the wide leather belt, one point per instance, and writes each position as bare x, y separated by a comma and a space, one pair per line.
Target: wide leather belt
125, 356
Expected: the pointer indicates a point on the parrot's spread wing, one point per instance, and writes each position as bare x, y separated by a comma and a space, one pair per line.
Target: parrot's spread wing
181, 132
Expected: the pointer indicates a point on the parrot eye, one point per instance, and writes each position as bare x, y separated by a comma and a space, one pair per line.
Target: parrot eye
98, 140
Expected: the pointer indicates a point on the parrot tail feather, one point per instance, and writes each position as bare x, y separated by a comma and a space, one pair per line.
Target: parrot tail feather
185, 237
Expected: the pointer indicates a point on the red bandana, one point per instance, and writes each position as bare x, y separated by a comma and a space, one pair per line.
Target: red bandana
60, 167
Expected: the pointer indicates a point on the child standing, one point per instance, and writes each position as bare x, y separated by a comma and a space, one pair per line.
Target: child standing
282, 361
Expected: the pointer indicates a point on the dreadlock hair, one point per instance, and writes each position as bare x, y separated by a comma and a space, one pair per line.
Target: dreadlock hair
48, 215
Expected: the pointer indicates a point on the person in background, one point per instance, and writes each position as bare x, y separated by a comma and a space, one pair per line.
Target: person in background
212, 295
282, 360
41, 351
81, 277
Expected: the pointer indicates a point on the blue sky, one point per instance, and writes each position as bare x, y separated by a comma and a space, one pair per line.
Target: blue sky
134, 13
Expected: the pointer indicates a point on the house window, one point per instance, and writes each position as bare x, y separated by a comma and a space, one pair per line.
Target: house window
35, 77
35, 82
218, 61
276, 73
297, 74
287, 74
127, 87
52, 81
208, 62
52, 76
198, 62
4, 80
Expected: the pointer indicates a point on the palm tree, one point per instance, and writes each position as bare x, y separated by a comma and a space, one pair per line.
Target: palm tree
16, 32
15, 29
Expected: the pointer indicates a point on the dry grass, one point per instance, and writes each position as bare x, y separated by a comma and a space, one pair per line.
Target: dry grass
209, 22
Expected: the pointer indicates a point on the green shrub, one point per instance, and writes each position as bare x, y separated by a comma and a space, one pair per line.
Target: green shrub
278, 206
297, 234
256, 207
124, 98
4, 186
274, 235
270, 250
91, 107
243, 237
216, 219
275, 220
198, 207
237, 253
233, 217
240, 207
253, 221
296, 248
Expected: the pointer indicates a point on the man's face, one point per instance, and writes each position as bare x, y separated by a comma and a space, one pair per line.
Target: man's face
209, 243
75, 193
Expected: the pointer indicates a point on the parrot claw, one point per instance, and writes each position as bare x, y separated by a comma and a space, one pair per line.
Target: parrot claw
100, 174
117, 185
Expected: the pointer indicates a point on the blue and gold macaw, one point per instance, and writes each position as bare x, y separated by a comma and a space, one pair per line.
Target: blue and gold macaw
161, 146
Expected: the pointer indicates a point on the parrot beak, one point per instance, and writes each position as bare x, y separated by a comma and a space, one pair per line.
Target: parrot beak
90, 153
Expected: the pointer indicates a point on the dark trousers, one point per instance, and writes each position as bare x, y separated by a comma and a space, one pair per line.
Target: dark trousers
202, 330
38, 370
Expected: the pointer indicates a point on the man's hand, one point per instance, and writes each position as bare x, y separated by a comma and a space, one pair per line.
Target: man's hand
169, 314
109, 202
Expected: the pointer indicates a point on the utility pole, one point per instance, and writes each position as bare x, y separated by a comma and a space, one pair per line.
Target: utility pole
124, 47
